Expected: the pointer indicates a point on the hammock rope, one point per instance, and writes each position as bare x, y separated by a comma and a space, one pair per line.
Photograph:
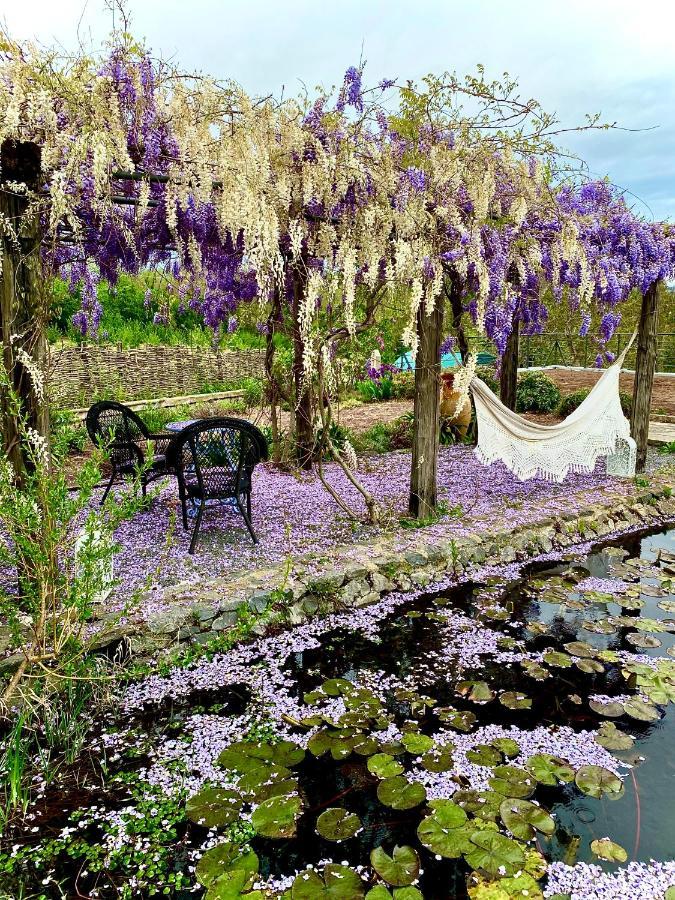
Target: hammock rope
596, 428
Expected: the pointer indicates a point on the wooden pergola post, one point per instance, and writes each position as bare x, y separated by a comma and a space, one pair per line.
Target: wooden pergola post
508, 379
645, 366
423, 475
23, 307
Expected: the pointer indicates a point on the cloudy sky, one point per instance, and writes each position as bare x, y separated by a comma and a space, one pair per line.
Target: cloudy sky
576, 56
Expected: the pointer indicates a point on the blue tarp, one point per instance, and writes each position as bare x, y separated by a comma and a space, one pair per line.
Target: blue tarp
448, 361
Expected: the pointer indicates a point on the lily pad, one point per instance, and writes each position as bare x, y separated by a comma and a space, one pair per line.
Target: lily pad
225, 858
522, 886
515, 700
508, 746
460, 720
276, 817
444, 832
611, 710
380, 892
384, 766
556, 658
638, 709
398, 793
336, 883
484, 755
337, 824
438, 760
416, 743
580, 648
399, 869
477, 691
523, 818
611, 738
606, 849
549, 769
596, 781
495, 853
589, 665
214, 807
512, 781
647, 641
483, 805
245, 755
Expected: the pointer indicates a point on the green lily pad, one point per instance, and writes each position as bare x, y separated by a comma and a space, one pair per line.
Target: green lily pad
245, 755
477, 691
276, 817
535, 670
416, 743
611, 738
508, 746
512, 781
589, 665
232, 886
336, 687
523, 818
267, 781
495, 853
460, 720
638, 709
214, 807
444, 832
336, 883
384, 766
647, 641
337, 824
380, 892
222, 859
596, 781
606, 849
580, 648
556, 658
398, 793
484, 755
549, 769
399, 869
515, 700
521, 886
483, 805
438, 760
610, 710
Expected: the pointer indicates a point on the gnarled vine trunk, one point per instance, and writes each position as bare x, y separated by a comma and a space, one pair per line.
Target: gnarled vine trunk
645, 365
508, 379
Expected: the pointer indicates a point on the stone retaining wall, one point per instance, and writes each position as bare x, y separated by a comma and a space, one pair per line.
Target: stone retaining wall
355, 579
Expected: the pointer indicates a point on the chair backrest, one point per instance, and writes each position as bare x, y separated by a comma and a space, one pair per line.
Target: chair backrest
117, 429
216, 457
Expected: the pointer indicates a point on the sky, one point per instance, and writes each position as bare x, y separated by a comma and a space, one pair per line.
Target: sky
576, 57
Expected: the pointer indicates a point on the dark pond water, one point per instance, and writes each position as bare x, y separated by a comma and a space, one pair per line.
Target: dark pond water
543, 659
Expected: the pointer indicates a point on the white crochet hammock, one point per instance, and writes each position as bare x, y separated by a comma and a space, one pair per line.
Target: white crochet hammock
596, 428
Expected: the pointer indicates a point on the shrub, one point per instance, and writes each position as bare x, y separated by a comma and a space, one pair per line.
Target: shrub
569, 403
403, 385
487, 374
536, 392
376, 439
401, 432
375, 391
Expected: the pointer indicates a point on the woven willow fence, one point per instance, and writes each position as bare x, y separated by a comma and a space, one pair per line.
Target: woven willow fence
79, 375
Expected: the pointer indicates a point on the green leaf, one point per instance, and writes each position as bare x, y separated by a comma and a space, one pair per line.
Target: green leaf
276, 817
523, 818
609, 710
606, 849
495, 853
638, 709
512, 781
484, 755
549, 769
483, 804
399, 793
611, 738
580, 648
477, 691
444, 832
245, 755
515, 700
232, 886
379, 892
337, 824
439, 759
336, 883
399, 869
384, 766
224, 858
214, 807
416, 743
596, 781
461, 720
508, 746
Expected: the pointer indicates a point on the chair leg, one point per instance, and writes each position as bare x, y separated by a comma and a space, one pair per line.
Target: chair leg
247, 517
195, 533
183, 506
109, 485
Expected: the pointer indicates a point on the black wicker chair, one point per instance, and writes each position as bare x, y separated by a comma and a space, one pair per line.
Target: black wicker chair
214, 460
121, 433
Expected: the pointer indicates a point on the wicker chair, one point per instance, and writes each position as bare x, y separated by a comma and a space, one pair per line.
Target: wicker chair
121, 433
214, 460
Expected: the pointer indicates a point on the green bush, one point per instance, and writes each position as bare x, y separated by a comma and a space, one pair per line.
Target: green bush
403, 385
569, 403
376, 439
536, 392
375, 391
487, 374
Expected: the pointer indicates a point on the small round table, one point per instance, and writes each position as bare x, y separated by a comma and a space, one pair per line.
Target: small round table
179, 426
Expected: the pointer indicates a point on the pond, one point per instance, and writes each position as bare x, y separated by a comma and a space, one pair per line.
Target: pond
508, 737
